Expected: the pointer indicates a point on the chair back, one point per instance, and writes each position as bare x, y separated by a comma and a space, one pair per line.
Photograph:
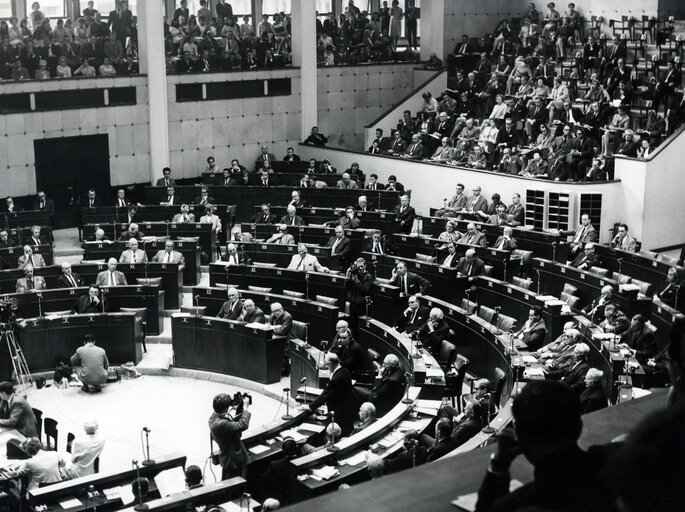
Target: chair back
621, 278
300, 329
260, 289
70, 441
447, 355
602, 272
291, 293
523, 283
488, 270
50, 427
569, 288
39, 421
499, 387
326, 300
571, 300
645, 287
505, 323
149, 281
469, 306
487, 314
426, 258
194, 310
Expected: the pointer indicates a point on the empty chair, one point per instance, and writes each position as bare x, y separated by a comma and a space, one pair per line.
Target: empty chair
602, 272
570, 289
260, 289
70, 441
501, 380
505, 323
326, 300
373, 358
469, 306
525, 256
488, 270
523, 283
300, 330
645, 287
427, 258
571, 300
487, 314
454, 382
39, 421
50, 427
194, 310
291, 293
447, 355
621, 278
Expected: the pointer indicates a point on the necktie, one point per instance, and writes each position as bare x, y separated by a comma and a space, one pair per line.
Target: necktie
501, 244
406, 287
73, 282
134, 256
91, 203
167, 256
226, 182
111, 278
170, 199
580, 234
300, 265
36, 241
264, 182
166, 182
448, 260
29, 284
292, 221
468, 269
31, 260
413, 316
42, 205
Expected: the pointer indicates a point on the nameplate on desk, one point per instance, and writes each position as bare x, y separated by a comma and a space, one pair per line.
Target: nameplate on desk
208, 292
654, 263
253, 270
542, 263
279, 272
91, 318
208, 322
334, 279
198, 226
450, 312
184, 320
563, 270
417, 265
490, 284
231, 326
313, 210
509, 290
173, 225
493, 252
582, 276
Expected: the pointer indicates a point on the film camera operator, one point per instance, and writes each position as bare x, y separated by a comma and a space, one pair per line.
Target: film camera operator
358, 283
226, 430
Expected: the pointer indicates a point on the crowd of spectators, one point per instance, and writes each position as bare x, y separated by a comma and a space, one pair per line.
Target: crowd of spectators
39, 48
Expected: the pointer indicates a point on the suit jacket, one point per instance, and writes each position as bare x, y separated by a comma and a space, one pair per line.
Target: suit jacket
465, 430
41, 240
270, 156
574, 376
415, 283
405, 218
230, 312
353, 356
162, 183
226, 433
257, 315
389, 390
310, 263
413, 321
477, 267
38, 283
386, 246
259, 218
583, 236
17, 414
178, 218
589, 262
282, 239
338, 395
442, 447
49, 206
93, 363
477, 204
414, 150
343, 250
375, 186
82, 305
174, 257
209, 200
433, 339
241, 258
593, 398
509, 245
103, 278
642, 342
127, 256
284, 326
63, 282
517, 211
290, 222
478, 239
38, 261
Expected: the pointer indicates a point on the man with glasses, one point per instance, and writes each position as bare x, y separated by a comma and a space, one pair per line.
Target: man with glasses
473, 236
233, 307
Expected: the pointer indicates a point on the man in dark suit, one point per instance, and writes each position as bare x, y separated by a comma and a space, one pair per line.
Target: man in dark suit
233, 307
233, 256
388, 390
281, 321
433, 332
639, 339
251, 313
44, 204
377, 244
92, 201
351, 354
534, 330
506, 242
412, 318
226, 431
574, 376
451, 258
373, 183
338, 395
443, 440
471, 423
291, 156
586, 259
341, 247
593, 397
394, 185
68, 279
120, 21
265, 216
408, 282
35, 239
398, 146
204, 198
265, 156
15, 412
470, 266
291, 218
87, 304
166, 181
266, 179
121, 200
404, 215
5, 240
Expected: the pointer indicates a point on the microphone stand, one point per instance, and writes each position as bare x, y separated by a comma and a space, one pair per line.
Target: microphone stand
40, 303
248, 497
677, 293
620, 267
554, 251
92, 494
140, 506
303, 381
504, 262
306, 336
226, 271
306, 283
287, 415
332, 448
512, 344
406, 399
167, 228
149, 461
537, 271
102, 300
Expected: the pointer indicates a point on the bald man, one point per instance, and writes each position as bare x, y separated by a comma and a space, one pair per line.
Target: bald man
111, 276
68, 279
434, 331
133, 254
251, 313
338, 395
389, 387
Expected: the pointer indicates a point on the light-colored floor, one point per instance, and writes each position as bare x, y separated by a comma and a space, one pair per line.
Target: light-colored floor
175, 409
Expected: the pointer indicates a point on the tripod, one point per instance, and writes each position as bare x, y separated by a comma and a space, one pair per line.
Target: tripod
19, 366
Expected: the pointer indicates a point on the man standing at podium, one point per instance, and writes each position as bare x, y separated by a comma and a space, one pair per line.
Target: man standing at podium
169, 255
338, 395
111, 276
90, 364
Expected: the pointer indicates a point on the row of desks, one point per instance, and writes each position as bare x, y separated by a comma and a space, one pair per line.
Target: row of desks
10, 255
382, 220
286, 177
25, 218
189, 249
172, 278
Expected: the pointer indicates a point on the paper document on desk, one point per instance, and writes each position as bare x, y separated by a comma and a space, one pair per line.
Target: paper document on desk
72, 503
534, 373
259, 448
429, 404
425, 411
546, 298
311, 427
529, 359
294, 434
468, 501
112, 494
126, 494
434, 373
258, 326
603, 336
391, 440
171, 481
325, 473
356, 459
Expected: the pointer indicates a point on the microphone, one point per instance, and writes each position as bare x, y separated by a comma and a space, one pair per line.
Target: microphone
303, 380
146, 430
197, 300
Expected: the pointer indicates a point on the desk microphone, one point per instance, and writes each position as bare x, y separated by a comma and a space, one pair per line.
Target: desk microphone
406, 400
197, 301
303, 381
146, 448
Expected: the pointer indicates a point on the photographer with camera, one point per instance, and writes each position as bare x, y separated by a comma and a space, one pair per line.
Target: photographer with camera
358, 283
226, 430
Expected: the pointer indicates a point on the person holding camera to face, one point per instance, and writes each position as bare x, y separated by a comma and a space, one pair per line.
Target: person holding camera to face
226, 430
358, 283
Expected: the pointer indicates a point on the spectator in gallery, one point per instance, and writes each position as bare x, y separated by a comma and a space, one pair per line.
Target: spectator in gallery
316, 138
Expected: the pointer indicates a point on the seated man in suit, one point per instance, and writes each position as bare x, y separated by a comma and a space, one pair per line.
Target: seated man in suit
341, 247
473, 236
378, 244
204, 198
506, 242
451, 259
251, 313
352, 355
470, 265
15, 412
412, 318
265, 216
305, 262
98, 236
593, 397
393, 185
414, 149
623, 240
43, 204
68, 279
281, 322
389, 386
373, 183
595, 310
534, 330
404, 215
185, 217
169, 255
233, 256
470, 424
28, 259
615, 321
233, 307
92, 201
266, 179
133, 254
587, 259
291, 218
346, 182
5, 240
90, 303
30, 282
408, 282
132, 232
574, 375
296, 200
111, 276
281, 236
121, 200
35, 238
237, 235
367, 416
265, 155
433, 332
443, 440
582, 235
165, 181
171, 197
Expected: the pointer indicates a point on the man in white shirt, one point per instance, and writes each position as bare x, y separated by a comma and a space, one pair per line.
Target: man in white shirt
133, 254
85, 449
111, 276
305, 262
169, 255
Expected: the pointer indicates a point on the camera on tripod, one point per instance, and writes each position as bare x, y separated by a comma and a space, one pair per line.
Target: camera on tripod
7, 316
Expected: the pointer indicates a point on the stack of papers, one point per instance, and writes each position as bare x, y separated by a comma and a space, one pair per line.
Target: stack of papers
294, 434
259, 448
434, 373
356, 459
325, 473
311, 427
529, 359
534, 373
72, 503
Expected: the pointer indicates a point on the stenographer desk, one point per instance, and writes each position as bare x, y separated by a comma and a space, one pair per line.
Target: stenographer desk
245, 197
150, 297
225, 346
51, 496
190, 249
549, 277
46, 341
320, 316
385, 296
174, 231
